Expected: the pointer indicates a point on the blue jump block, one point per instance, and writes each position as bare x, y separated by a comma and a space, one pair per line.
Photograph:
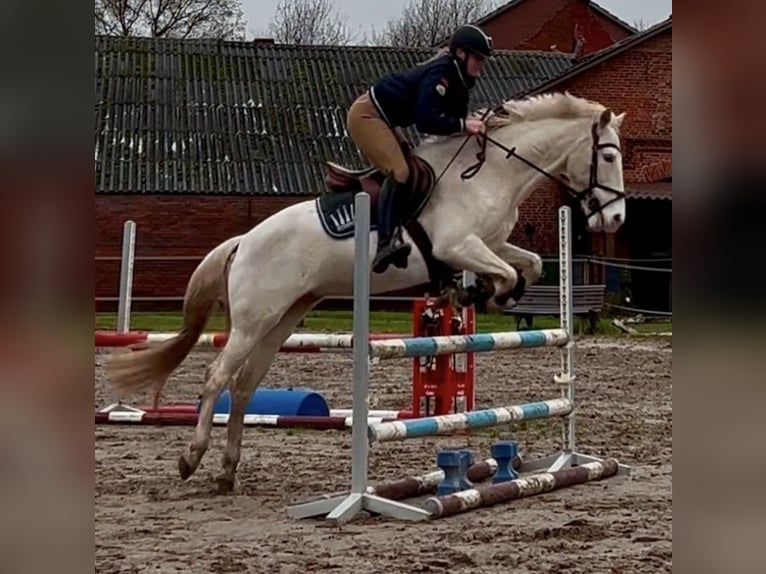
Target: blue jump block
284, 402
504, 452
455, 465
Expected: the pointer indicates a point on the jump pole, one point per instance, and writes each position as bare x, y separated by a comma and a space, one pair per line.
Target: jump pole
342, 508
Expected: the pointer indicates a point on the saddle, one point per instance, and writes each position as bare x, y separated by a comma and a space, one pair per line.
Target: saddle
343, 184
340, 179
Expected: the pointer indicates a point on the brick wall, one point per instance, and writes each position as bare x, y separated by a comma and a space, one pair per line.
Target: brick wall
639, 81
189, 226
512, 27
540, 211
559, 31
540, 24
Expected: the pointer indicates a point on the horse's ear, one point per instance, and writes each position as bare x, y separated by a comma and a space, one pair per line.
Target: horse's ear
617, 121
604, 119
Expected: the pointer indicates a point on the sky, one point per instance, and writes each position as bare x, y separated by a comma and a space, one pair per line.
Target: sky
364, 14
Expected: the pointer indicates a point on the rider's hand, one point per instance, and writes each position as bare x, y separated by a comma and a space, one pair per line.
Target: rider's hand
474, 126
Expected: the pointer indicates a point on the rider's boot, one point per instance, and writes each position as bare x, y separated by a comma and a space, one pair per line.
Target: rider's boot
391, 248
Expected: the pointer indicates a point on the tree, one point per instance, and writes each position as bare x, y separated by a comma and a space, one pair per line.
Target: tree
221, 19
639, 24
309, 22
425, 23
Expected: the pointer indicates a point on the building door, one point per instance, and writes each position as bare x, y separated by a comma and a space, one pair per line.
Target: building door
647, 237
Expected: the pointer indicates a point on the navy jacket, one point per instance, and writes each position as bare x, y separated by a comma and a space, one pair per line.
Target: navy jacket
433, 96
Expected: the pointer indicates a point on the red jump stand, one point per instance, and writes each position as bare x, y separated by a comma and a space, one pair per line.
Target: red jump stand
442, 384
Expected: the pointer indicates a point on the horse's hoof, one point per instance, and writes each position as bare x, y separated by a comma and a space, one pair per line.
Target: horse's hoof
519, 289
224, 484
184, 468
502, 300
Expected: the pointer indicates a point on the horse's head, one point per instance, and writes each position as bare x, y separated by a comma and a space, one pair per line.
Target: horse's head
593, 171
569, 139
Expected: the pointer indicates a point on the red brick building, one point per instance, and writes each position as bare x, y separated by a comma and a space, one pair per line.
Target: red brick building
573, 26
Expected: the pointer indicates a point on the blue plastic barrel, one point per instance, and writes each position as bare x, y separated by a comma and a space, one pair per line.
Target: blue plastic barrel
286, 402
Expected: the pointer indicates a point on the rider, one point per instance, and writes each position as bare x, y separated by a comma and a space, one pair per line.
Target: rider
434, 97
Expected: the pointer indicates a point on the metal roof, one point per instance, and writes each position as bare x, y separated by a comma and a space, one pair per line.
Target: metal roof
654, 190
212, 117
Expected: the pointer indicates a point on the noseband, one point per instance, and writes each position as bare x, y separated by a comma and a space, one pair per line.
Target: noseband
582, 195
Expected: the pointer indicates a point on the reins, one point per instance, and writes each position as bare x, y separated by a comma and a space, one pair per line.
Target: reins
586, 193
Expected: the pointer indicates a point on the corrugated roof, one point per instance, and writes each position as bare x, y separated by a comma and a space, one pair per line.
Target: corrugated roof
212, 117
655, 190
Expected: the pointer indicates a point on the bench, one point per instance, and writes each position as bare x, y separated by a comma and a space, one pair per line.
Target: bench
544, 300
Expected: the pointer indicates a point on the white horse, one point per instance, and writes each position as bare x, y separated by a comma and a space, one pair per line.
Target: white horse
269, 277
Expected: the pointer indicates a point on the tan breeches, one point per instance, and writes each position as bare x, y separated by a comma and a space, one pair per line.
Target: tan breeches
375, 139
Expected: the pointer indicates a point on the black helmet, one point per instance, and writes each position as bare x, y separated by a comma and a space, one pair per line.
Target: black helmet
472, 39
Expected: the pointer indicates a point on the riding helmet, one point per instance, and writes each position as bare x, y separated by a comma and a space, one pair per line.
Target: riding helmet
472, 39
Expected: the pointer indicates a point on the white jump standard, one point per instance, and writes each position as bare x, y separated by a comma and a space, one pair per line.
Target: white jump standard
343, 507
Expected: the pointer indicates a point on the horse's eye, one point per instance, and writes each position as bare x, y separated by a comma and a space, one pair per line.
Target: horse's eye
609, 158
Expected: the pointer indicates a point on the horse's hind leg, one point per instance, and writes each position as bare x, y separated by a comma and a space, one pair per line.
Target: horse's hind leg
247, 381
243, 338
231, 358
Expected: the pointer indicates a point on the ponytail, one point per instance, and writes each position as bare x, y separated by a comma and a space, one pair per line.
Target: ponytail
439, 53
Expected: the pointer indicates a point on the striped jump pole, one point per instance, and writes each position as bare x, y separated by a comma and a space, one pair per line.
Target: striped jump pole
296, 343
381, 414
448, 424
410, 486
186, 418
451, 344
491, 494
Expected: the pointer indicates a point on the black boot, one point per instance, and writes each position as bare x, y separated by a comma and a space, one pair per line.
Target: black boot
389, 251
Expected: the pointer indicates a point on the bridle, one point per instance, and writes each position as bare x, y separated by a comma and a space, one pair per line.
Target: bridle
585, 195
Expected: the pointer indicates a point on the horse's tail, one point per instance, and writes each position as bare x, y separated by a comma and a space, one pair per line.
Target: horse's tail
148, 369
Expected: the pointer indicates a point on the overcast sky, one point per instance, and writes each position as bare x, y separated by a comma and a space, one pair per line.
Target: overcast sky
364, 14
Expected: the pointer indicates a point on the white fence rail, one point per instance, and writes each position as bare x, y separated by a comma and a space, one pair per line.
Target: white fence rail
128, 261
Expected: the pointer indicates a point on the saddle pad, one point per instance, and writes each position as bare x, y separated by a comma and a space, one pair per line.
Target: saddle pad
336, 213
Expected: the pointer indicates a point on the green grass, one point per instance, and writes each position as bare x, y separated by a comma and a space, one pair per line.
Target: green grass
380, 322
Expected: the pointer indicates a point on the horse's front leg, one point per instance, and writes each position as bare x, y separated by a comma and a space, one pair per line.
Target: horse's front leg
472, 254
529, 264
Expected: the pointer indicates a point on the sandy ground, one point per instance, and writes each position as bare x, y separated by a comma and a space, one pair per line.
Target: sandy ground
148, 520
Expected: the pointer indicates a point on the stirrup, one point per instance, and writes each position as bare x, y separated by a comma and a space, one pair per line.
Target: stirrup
396, 254
400, 256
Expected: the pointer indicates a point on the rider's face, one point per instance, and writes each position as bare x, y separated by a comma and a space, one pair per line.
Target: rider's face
474, 64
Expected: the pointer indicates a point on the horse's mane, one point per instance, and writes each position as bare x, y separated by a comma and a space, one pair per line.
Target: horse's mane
554, 105
545, 106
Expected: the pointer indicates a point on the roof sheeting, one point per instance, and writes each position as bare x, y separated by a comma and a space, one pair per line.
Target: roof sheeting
212, 117
655, 190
